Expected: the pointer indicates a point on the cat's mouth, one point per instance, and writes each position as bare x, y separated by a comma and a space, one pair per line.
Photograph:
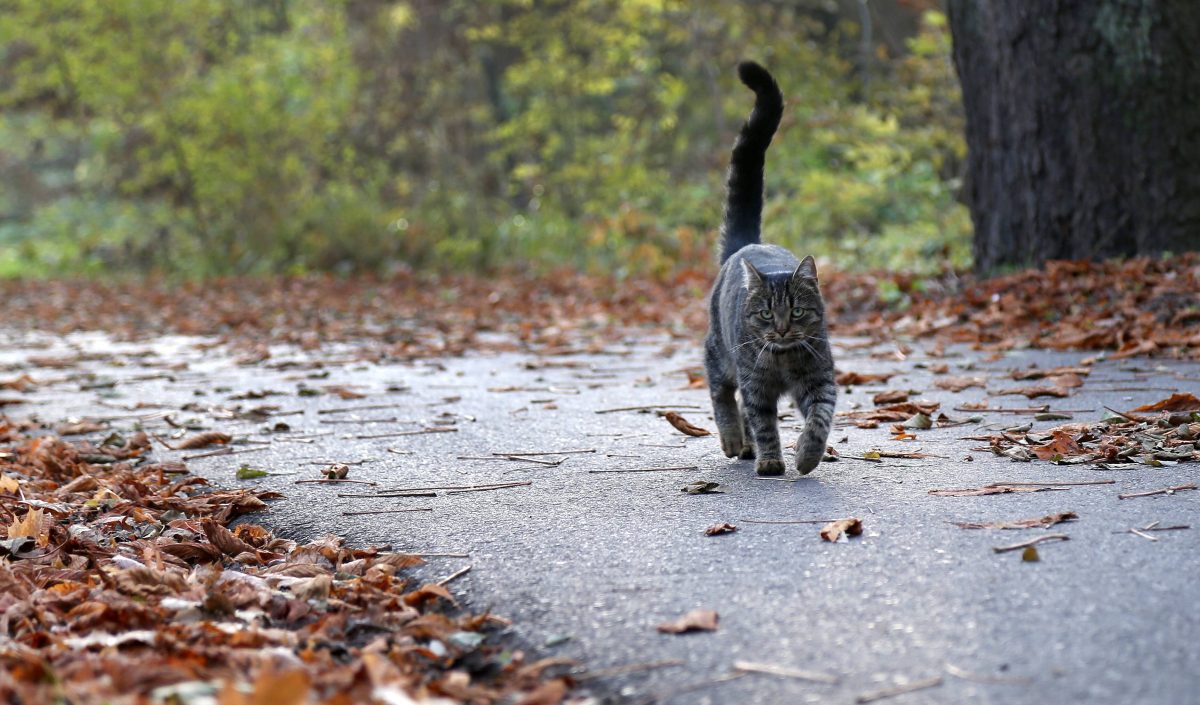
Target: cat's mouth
786, 345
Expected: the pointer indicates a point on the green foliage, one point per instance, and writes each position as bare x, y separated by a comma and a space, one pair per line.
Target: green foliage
216, 136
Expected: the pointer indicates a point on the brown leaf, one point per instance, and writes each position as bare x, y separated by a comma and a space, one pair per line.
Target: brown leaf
683, 426
224, 539
986, 490
203, 440
548, 693
427, 593
891, 396
1032, 392
1032, 523
849, 379
834, 530
1039, 373
344, 392
700, 620
35, 525
337, 471
192, 551
718, 529
1061, 444
1180, 401
957, 384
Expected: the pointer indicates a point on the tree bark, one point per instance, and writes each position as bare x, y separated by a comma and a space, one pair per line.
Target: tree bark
1083, 127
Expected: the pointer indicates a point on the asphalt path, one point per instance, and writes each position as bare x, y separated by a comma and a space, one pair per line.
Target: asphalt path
589, 558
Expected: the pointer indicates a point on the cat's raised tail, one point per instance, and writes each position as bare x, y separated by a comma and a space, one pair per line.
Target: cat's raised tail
744, 200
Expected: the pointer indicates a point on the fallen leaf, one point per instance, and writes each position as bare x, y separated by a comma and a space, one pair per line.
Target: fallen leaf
9, 484
919, 421
427, 593
1032, 392
35, 525
837, 530
1030, 554
549, 693
683, 426
957, 384
337, 471
1061, 445
849, 379
700, 620
989, 489
1039, 373
1032, 523
1180, 401
891, 396
246, 472
203, 440
718, 529
344, 392
702, 487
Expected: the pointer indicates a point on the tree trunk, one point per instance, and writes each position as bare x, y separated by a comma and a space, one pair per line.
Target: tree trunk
1083, 127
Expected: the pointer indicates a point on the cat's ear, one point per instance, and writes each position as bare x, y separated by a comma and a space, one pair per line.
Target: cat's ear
751, 277
806, 270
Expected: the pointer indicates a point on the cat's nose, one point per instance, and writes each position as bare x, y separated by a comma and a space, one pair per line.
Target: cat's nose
781, 328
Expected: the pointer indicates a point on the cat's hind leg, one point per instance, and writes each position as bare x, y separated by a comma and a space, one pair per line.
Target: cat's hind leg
725, 409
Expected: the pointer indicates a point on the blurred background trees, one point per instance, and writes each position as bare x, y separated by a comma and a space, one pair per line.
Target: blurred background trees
236, 136
1083, 127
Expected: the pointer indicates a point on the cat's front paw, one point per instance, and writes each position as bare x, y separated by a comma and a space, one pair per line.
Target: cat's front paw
733, 446
747, 452
769, 467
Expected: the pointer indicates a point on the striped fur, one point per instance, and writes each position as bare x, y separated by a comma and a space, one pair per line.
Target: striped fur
767, 336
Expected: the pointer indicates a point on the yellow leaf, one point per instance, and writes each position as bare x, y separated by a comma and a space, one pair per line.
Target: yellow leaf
8, 484
35, 525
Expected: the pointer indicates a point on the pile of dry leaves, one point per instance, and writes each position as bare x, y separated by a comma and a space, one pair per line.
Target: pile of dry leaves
1134, 307
1137, 306
121, 581
1171, 435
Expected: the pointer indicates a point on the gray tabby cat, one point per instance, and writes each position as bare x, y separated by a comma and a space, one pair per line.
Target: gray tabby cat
767, 334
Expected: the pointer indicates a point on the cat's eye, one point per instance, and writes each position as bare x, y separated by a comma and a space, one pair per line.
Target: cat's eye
799, 312
766, 314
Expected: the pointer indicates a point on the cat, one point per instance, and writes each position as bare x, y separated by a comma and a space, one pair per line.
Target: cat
767, 335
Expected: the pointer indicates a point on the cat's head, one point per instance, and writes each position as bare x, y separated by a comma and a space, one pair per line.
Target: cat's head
783, 309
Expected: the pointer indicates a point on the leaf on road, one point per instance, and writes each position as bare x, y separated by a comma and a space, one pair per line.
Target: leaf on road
988, 489
344, 392
1032, 523
957, 384
1039, 373
918, 421
1033, 391
891, 396
682, 425
35, 525
894, 412
1180, 401
246, 472
702, 487
549, 693
337, 471
700, 620
841, 529
718, 529
849, 379
1062, 445
1030, 554
427, 593
203, 440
